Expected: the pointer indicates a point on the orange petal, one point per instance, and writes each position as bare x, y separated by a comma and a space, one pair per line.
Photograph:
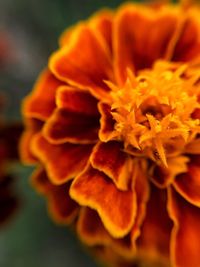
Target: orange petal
161, 176
142, 193
65, 126
188, 45
60, 206
116, 208
40, 181
62, 162
90, 228
92, 232
32, 126
102, 22
185, 240
76, 101
85, 70
110, 159
134, 28
155, 232
41, 102
106, 122
188, 184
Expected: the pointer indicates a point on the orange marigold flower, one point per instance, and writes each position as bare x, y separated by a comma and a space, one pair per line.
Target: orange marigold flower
114, 125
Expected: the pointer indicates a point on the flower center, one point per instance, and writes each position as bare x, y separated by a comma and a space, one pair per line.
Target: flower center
153, 111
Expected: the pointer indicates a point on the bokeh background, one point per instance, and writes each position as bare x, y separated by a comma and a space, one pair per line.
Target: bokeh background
29, 30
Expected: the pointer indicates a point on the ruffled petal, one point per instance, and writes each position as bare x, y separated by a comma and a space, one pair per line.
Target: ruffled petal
93, 233
116, 164
32, 127
116, 208
76, 101
188, 184
161, 176
65, 126
134, 28
106, 122
185, 239
156, 229
60, 206
188, 44
102, 23
62, 162
86, 70
142, 192
44, 92
90, 228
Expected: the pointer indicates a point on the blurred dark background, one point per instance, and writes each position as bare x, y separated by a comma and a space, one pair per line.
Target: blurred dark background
29, 30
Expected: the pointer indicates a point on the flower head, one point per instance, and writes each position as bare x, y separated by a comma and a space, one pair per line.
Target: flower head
114, 124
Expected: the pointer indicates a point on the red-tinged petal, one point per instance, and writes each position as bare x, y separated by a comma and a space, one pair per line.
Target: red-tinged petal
60, 206
41, 102
106, 122
32, 126
116, 164
92, 232
155, 232
65, 36
134, 28
116, 208
185, 239
188, 184
188, 44
65, 126
142, 193
62, 162
40, 181
196, 114
102, 22
90, 228
161, 176
85, 70
76, 101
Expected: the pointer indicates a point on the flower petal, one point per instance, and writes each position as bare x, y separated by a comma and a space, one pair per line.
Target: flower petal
90, 228
185, 240
85, 70
134, 28
101, 23
188, 44
62, 162
188, 184
65, 126
32, 126
156, 229
44, 92
116, 208
60, 206
142, 193
77, 101
116, 164
106, 122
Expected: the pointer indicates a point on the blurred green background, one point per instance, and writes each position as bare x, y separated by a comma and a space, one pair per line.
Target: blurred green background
31, 29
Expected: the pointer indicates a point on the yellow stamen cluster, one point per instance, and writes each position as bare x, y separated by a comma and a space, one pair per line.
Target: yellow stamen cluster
153, 111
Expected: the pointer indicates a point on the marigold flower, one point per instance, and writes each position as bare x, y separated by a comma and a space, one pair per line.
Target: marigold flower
113, 123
